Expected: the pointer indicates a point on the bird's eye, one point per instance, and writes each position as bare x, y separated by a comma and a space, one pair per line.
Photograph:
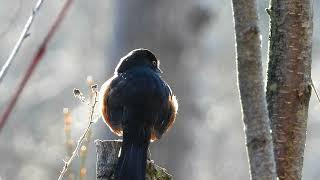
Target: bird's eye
154, 63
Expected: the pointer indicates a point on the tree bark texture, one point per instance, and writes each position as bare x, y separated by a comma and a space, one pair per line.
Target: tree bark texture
289, 80
107, 158
251, 86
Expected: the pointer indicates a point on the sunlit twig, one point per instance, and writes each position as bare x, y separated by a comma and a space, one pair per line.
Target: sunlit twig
81, 139
22, 37
85, 146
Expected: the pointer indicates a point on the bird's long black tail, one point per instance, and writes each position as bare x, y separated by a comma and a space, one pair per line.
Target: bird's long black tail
133, 158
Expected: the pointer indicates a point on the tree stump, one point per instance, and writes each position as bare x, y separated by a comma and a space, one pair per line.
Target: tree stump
107, 158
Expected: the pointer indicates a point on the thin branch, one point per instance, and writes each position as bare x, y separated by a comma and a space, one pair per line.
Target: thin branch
315, 90
80, 141
22, 37
36, 59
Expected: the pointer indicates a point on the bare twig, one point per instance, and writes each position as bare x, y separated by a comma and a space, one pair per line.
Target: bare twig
84, 135
22, 37
77, 93
36, 59
85, 147
315, 90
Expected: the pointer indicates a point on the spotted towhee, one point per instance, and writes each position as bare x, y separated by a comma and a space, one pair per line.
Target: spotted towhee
138, 105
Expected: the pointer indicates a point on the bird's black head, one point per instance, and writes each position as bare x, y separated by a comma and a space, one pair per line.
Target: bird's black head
136, 58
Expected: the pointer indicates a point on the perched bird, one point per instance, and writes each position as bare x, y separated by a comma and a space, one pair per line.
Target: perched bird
138, 105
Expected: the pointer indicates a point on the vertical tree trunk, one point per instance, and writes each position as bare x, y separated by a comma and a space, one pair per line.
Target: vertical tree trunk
168, 28
250, 78
289, 78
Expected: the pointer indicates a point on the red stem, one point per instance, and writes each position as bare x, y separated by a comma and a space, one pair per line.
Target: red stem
35, 61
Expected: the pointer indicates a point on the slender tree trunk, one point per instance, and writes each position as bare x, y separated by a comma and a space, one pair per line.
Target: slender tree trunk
250, 79
289, 79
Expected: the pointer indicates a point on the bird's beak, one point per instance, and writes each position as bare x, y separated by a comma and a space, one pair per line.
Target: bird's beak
158, 70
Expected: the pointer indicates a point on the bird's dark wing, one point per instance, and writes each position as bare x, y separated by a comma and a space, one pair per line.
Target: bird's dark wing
111, 98
166, 115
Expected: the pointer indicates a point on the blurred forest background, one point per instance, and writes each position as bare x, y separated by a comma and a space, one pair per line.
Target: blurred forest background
194, 41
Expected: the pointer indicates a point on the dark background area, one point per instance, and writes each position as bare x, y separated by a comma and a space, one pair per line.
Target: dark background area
194, 41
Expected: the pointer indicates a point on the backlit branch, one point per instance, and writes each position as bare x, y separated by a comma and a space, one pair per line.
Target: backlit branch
23, 36
35, 61
84, 135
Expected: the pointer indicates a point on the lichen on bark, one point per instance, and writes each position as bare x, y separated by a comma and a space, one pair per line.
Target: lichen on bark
289, 82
